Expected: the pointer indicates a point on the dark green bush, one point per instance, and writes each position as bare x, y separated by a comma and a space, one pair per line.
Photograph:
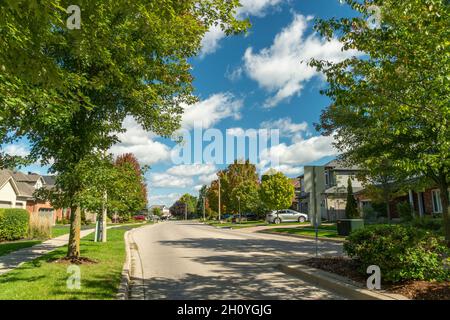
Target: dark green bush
404, 211
429, 223
13, 224
401, 252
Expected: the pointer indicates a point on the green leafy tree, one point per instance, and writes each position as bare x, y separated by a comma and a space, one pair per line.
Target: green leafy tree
235, 178
351, 207
184, 206
202, 196
247, 193
276, 191
68, 91
157, 211
391, 102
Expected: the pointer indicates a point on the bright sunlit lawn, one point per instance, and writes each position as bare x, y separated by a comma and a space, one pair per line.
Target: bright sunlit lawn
45, 279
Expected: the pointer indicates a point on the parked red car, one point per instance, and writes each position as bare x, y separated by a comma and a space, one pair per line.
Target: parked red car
139, 218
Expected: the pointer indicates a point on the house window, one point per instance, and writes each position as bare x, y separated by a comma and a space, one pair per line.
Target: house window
327, 179
436, 197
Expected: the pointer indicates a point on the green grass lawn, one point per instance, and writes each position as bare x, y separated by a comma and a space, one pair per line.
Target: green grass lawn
9, 247
60, 230
44, 279
325, 231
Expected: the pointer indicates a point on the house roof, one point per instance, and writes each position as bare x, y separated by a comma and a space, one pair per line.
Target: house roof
340, 165
25, 189
49, 180
341, 190
29, 178
5, 175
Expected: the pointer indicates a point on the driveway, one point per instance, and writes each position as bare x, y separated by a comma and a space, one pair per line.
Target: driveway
183, 260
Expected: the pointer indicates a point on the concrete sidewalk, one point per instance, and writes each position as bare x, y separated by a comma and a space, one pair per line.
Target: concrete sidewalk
15, 259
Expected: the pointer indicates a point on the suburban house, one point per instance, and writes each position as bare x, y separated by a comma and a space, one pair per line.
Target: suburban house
164, 210
17, 191
323, 189
295, 201
426, 201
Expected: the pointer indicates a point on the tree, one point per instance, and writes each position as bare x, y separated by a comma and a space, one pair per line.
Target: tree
184, 206
68, 91
233, 178
201, 200
276, 191
132, 196
247, 196
351, 207
156, 211
392, 101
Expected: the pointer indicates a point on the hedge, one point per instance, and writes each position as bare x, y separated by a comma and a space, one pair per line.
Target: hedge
13, 224
401, 252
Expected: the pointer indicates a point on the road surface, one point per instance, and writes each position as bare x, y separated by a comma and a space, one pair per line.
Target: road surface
186, 260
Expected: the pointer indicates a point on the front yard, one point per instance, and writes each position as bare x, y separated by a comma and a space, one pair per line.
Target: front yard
46, 278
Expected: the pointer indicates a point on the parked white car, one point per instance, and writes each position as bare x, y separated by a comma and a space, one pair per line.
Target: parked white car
286, 215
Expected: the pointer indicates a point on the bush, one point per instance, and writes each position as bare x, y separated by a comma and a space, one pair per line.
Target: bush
428, 223
40, 227
13, 224
401, 252
404, 211
369, 214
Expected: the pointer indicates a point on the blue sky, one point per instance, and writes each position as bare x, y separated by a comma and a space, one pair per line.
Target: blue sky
248, 82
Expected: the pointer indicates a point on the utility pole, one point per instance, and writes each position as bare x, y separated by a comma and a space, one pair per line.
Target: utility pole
219, 199
185, 210
239, 205
204, 216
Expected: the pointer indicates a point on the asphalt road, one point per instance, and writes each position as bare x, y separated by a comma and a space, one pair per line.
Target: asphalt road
184, 260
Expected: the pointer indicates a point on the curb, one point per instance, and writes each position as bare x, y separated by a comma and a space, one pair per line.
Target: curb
132, 264
302, 237
342, 286
124, 288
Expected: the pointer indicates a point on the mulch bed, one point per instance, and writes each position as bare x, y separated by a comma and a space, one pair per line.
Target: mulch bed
78, 261
416, 290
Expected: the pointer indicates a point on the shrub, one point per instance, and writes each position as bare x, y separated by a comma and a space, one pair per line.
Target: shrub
401, 252
404, 211
40, 226
13, 224
369, 214
428, 223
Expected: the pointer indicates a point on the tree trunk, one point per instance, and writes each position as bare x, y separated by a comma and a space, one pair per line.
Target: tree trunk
73, 251
388, 207
443, 186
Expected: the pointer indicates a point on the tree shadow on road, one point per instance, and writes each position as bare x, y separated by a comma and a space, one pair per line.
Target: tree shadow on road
240, 269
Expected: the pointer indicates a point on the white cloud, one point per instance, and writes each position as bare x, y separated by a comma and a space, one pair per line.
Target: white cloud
16, 150
165, 180
282, 68
190, 170
289, 170
304, 151
207, 179
167, 199
212, 110
211, 40
139, 142
256, 8
287, 128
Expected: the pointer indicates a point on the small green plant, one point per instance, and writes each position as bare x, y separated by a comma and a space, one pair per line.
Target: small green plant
13, 224
401, 252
